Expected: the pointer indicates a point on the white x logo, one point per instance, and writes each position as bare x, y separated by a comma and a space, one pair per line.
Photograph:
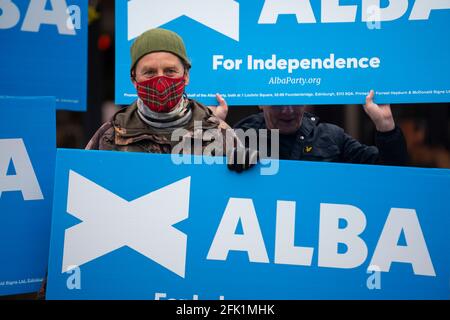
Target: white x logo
110, 222
219, 15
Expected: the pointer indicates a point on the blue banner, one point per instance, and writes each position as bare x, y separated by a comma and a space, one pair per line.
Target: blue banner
27, 164
270, 52
137, 226
44, 50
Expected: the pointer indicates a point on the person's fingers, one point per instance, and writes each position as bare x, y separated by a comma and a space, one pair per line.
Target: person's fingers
370, 107
240, 160
253, 157
221, 110
380, 115
221, 101
232, 160
369, 98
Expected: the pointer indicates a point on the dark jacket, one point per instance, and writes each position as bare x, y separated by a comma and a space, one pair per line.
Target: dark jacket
316, 141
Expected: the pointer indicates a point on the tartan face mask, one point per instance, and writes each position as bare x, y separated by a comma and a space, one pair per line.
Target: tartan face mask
161, 94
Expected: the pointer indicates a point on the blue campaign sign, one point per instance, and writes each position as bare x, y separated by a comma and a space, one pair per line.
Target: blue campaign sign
270, 52
27, 164
44, 50
137, 226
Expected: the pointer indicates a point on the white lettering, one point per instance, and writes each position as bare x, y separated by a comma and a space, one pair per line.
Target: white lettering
273, 8
14, 151
285, 251
422, 8
332, 11
415, 252
250, 241
10, 14
59, 16
330, 235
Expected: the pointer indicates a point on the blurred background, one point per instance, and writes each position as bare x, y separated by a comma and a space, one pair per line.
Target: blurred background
425, 126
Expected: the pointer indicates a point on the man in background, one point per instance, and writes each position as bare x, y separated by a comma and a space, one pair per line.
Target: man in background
304, 137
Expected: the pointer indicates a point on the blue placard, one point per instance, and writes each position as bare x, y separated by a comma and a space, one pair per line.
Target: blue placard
270, 52
44, 50
27, 164
137, 226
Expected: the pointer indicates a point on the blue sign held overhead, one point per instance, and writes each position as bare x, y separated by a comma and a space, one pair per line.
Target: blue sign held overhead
312, 231
270, 52
27, 164
44, 50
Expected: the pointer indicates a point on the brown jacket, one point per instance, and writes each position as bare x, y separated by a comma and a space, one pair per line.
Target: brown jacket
127, 132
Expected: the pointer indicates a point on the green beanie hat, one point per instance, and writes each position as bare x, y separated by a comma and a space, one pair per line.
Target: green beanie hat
157, 40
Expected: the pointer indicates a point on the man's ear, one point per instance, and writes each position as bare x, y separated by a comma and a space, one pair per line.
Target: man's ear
133, 78
186, 77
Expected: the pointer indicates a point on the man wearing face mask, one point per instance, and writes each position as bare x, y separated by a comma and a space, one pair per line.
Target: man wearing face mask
304, 137
160, 72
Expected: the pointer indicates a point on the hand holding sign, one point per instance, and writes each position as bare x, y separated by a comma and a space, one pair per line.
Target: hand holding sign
381, 115
220, 111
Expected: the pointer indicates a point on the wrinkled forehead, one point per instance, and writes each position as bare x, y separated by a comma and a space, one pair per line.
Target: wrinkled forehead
160, 59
